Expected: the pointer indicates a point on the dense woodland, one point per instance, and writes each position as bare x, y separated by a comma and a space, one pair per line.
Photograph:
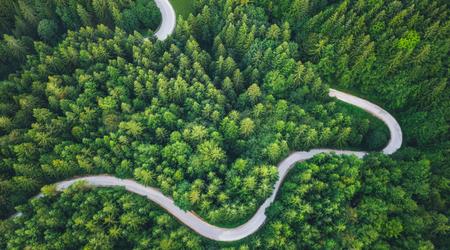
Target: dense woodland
207, 114
204, 129
95, 219
22, 22
395, 52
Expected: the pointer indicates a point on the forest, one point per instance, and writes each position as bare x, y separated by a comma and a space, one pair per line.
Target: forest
207, 114
24, 22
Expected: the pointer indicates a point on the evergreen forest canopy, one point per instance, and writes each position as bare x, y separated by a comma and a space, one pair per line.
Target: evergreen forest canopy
22, 22
208, 113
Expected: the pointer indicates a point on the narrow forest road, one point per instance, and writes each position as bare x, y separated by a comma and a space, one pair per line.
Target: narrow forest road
168, 19
258, 219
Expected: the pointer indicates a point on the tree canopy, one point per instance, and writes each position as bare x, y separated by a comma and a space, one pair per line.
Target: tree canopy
207, 114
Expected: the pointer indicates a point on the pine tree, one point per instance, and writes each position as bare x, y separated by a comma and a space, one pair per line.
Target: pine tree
84, 15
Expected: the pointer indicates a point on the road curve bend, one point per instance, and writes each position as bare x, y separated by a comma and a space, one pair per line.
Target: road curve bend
395, 142
168, 19
231, 234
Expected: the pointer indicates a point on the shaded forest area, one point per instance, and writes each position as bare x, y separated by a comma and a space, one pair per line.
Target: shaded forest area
22, 22
207, 114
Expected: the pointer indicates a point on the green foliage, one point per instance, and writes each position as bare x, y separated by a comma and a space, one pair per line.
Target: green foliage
342, 202
94, 219
206, 115
409, 41
47, 30
395, 53
27, 20
183, 7
101, 102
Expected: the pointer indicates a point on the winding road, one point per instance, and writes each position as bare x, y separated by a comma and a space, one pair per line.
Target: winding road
168, 21
231, 234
